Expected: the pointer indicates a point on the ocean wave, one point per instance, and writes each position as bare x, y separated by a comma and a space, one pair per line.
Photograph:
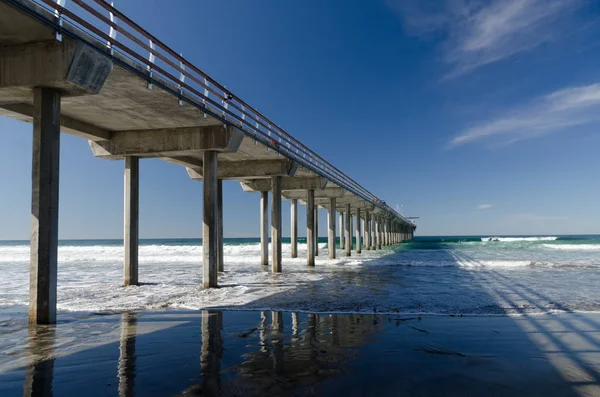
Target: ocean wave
573, 247
515, 239
147, 253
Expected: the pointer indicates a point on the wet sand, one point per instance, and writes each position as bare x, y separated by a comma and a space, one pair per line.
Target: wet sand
250, 353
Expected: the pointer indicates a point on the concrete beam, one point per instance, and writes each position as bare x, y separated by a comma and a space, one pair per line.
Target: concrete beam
44, 207
24, 112
249, 169
341, 203
287, 183
168, 142
69, 66
328, 192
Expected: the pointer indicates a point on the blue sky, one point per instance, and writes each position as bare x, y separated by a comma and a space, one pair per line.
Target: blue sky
481, 117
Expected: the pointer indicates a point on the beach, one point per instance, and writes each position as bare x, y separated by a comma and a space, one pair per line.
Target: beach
460, 316
280, 353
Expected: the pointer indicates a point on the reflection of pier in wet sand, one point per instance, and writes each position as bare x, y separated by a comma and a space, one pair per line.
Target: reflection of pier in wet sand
279, 353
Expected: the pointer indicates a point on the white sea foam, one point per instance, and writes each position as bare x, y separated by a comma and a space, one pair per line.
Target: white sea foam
573, 247
493, 264
514, 239
455, 278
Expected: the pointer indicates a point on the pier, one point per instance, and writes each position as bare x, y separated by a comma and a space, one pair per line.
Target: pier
90, 71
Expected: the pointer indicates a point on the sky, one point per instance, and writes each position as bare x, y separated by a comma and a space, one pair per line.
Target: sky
480, 117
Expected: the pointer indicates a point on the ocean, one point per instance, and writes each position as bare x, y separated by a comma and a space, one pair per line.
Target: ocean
474, 275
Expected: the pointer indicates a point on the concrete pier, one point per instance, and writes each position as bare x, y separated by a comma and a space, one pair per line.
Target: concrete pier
276, 223
310, 227
210, 232
264, 228
44, 206
348, 231
294, 227
358, 232
210, 131
220, 260
131, 232
331, 228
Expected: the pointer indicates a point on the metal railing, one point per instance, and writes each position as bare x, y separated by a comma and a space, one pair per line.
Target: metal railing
107, 30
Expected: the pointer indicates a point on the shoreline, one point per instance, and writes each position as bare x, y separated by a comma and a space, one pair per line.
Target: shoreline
62, 312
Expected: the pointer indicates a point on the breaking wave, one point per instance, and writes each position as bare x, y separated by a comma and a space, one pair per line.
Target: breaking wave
514, 239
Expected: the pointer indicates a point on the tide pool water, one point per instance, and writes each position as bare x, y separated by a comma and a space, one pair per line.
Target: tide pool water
480, 275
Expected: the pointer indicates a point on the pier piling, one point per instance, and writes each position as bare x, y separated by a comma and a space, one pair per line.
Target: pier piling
264, 228
44, 206
331, 228
358, 232
294, 227
348, 231
131, 232
210, 232
310, 227
276, 223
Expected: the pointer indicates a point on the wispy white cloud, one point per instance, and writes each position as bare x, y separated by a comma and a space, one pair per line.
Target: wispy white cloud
556, 111
485, 206
476, 33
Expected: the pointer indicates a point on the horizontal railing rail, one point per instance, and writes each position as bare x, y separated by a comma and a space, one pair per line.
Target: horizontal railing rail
106, 29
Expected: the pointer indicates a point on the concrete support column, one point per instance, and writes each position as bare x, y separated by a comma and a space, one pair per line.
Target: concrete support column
316, 235
358, 232
310, 227
220, 261
44, 206
331, 228
351, 240
388, 232
264, 228
276, 223
379, 234
210, 228
342, 243
373, 236
294, 227
132, 210
348, 231
367, 230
